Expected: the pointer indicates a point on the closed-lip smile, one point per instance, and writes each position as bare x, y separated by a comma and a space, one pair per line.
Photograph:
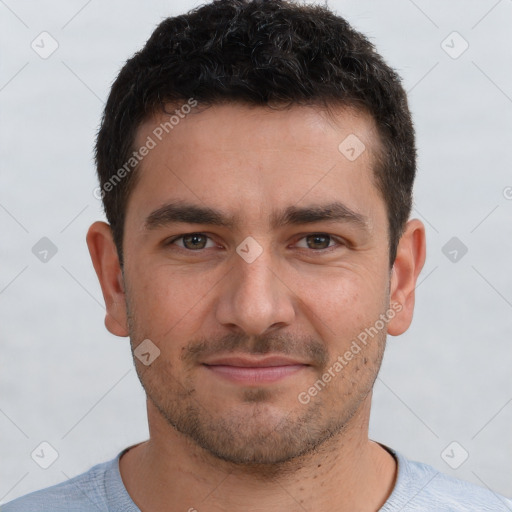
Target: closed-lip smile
254, 370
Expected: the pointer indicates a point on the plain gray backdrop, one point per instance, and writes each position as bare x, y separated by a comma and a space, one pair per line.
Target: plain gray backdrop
444, 393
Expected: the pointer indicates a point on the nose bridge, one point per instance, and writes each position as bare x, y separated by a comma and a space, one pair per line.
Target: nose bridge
254, 299
254, 277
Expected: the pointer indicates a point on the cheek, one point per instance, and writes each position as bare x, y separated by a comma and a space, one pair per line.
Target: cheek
343, 301
167, 303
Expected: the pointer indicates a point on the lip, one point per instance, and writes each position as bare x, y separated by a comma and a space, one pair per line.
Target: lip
254, 371
253, 362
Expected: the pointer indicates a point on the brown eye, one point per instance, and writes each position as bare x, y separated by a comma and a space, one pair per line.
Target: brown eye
192, 241
317, 241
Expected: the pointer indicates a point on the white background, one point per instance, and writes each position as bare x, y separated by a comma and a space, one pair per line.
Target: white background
65, 380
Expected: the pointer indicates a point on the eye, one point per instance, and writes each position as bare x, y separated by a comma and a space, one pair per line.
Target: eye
192, 241
319, 241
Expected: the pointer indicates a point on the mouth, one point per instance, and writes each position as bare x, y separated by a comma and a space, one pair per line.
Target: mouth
250, 370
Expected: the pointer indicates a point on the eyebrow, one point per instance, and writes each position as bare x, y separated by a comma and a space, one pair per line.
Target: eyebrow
176, 212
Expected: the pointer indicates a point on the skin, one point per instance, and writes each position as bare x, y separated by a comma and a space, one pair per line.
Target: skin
216, 444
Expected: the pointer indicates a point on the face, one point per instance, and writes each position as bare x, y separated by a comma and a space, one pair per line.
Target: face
256, 260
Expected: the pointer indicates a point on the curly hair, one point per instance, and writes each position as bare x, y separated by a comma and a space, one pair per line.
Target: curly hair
260, 53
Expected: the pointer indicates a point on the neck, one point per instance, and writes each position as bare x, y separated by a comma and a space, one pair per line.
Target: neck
346, 473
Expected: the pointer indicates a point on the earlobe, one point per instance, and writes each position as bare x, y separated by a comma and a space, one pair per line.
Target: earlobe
106, 264
409, 261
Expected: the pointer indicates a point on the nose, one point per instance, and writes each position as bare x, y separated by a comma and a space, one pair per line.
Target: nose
255, 298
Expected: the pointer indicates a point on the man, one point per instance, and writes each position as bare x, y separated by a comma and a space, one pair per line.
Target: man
256, 164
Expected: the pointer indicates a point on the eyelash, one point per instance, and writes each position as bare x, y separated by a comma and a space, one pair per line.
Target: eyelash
340, 242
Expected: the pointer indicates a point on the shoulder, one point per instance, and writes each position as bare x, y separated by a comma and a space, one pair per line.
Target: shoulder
85, 492
422, 488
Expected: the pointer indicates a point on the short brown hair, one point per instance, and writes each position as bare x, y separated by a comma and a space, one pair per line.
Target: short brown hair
259, 52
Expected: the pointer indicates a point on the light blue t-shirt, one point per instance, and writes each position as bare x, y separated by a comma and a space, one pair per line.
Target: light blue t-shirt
418, 488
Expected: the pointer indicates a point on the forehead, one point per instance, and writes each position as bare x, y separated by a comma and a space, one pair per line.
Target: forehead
232, 125
241, 159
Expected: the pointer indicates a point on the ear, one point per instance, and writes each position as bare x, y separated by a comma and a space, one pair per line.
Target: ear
106, 264
409, 261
